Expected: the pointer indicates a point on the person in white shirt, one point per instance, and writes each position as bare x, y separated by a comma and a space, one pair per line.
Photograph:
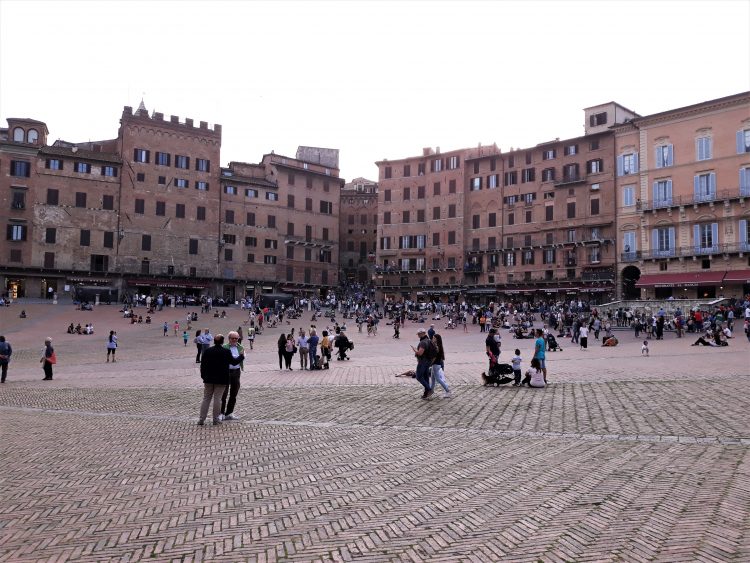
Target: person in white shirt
515, 362
304, 351
583, 336
726, 332
534, 375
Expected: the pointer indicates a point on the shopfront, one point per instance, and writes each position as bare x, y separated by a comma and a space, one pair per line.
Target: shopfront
689, 285
737, 283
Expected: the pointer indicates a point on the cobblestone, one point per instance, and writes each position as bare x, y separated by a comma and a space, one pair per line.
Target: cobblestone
623, 458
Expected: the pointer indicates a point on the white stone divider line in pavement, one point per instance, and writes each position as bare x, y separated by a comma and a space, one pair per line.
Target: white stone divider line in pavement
648, 438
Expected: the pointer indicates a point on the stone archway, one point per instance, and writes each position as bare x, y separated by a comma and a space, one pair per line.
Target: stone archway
630, 276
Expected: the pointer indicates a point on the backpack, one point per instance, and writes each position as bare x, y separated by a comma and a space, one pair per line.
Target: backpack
430, 352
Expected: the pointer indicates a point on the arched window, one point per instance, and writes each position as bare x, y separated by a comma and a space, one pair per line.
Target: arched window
18, 135
32, 136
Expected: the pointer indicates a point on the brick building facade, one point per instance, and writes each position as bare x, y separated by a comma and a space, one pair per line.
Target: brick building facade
358, 222
153, 211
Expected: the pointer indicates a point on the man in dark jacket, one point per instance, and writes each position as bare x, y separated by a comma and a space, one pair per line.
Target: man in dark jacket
215, 375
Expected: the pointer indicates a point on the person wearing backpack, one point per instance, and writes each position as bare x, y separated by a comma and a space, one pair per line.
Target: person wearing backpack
425, 354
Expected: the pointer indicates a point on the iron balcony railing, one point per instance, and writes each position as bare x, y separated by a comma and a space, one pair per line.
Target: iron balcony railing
688, 251
692, 199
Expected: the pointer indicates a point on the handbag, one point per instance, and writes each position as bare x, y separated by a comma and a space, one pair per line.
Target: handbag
53, 358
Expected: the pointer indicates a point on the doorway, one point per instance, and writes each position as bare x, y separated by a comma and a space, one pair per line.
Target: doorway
630, 276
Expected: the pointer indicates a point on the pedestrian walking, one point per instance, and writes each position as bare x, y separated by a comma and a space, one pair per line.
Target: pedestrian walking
215, 363
176, 328
281, 346
6, 351
303, 349
229, 397
198, 341
185, 337
112, 345
425, 353
438, 366
49, 358
166, 328
584, 336
539, 347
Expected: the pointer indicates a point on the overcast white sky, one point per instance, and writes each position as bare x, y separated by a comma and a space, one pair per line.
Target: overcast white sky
373, 79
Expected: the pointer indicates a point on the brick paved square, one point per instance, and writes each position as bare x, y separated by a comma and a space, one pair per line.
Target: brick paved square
622, 458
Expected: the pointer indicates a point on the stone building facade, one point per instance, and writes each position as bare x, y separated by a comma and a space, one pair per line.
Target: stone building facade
683, 186
358, 222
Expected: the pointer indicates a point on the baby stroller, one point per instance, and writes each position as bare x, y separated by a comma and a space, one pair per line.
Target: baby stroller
552, 344
499, 374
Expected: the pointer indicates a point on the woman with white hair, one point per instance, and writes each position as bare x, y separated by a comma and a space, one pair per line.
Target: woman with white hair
48, 359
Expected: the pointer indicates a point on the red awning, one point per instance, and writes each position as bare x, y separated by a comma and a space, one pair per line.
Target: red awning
160, 282
738, 276
691, 279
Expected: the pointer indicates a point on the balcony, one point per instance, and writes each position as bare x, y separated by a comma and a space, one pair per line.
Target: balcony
692, 199
305, 241
691, 251
630, 256
570, 180
473, 269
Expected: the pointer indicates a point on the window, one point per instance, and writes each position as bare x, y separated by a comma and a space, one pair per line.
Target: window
386, 217
451, 186
53, 164
387, 195
229, 216
407, 170
109, 239
250, 219
420, 216
49, 260
744, 236
528, 157
268, 259
200, 213
290, 252
53, 196
627, 164
141, 155
161, 208
703, 148
704, 186
406, 217
527, 257
110, 171
571, 235
492, 220
99, 262
570, 150
475, 222
664, 156
706, 237
451, 210
179, 211
140, 206
549, 154
108, 202
628, 196
451, 237
202, 186
662, 242
476, 184
80, 199
548, 175
549, 213
325, 234
570, 173
161, 180
146, 243
32, 136
85, 237
50, 235
595, 166
596, 119
437, 165
595, 206
18, 200
228, 254
20, 168
492, 180
271, 224
181, 183
18, 135
420, 192
629, 245
251, 241
745, 181
140, 177
511, 218
272, 196
82, 167
162, 159
308, 181
407, 194
251, 193
202, 165
193, 246
452, 163
510, 178
510, 259
662, 193
290, 201
527, 175
181, 161
743, 141
571, 210
528, 216
326, 207
435, 239
230, 190
548, 257
594, 145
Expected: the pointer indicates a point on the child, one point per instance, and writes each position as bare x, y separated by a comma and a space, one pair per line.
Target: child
516, 363
644, 348
185, 337
534, 376
165, 328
